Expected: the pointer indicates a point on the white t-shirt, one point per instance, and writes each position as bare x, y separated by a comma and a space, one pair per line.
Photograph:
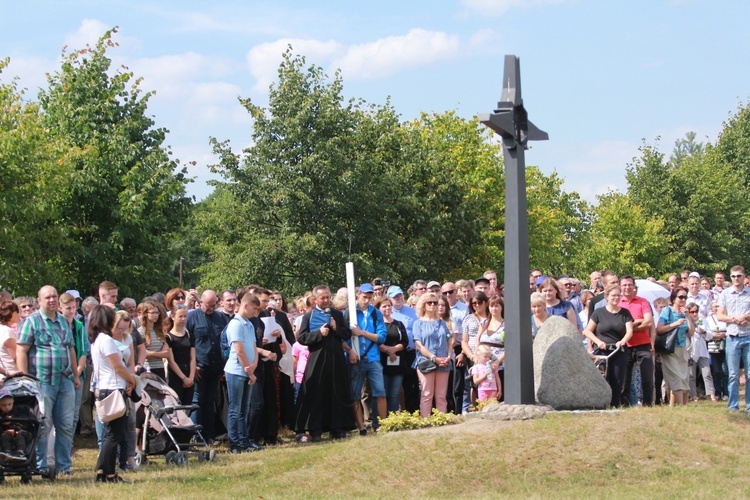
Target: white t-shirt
105, 375
8, 363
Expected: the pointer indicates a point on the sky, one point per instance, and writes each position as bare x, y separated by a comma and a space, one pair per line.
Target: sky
600, 77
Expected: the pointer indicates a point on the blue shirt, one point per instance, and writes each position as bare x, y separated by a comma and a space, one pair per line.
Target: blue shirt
207, 331
370, 321
239, 330
407, 316
434, 335
667, 317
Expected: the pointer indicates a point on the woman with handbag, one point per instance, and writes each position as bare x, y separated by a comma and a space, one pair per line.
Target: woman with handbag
674, 330
434, 343
113, 383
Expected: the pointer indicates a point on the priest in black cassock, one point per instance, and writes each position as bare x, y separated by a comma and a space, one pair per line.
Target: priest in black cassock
324, 401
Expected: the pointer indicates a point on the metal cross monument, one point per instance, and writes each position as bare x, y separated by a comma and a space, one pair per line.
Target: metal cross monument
510, 121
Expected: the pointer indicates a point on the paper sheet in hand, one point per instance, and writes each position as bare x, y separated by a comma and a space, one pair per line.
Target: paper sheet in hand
270, 326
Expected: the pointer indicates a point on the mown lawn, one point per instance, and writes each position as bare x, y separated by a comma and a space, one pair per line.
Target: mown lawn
699, 451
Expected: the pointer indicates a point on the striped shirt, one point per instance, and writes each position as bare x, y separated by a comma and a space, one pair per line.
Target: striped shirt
49, 344
736, 303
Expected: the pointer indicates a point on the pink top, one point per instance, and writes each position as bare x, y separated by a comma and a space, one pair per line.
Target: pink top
486, 384
300, 353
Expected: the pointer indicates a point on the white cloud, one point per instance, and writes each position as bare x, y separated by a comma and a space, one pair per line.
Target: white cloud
31, 73
366, 61
264, 59
389, 55
499, 7
88, 33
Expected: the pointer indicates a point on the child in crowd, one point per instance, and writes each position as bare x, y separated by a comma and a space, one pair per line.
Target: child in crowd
300, 353
13, 441
484, 373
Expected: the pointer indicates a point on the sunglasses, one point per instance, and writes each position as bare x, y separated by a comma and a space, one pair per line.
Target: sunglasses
431, 303
682, 297
449, 292
737, 275
180, 297
476, 302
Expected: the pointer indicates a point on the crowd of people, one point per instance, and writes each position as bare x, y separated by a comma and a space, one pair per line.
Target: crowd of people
252, 362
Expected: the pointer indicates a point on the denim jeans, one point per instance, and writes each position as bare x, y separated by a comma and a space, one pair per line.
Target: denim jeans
738, 348
77, 411
239, 392
392, 390
373, 371
59, 410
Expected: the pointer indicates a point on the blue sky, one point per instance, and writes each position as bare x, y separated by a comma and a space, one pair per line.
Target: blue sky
599, 76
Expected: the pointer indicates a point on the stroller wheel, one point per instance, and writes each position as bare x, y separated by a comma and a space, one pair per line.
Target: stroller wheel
26, 478
51, 474
212, 456
170, 456
2, 476
181, 458
140, 458
202, 456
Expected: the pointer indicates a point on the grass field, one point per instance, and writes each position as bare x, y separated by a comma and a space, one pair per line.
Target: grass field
698, 451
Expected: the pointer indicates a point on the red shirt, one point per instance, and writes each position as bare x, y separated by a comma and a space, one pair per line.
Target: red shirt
638, 307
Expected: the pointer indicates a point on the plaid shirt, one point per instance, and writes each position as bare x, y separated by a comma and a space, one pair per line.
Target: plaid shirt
735, 304
49, 347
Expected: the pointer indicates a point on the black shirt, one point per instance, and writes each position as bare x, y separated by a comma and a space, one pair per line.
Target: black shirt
610, 328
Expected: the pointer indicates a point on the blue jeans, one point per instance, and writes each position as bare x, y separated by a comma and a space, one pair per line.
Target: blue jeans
373, 370
738, 348
239, 392
59, 409
392, 390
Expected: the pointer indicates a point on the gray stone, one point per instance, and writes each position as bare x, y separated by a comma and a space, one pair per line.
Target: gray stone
565, 377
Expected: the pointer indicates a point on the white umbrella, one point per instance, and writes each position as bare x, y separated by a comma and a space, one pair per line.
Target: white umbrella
651, 291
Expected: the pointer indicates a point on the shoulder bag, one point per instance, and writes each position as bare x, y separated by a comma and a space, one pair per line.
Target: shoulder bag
113, 406
665, 343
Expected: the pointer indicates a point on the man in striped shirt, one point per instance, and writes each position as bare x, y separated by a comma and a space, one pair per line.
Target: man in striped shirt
46, 350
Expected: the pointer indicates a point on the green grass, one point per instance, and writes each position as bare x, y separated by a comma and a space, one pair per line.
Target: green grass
698, 451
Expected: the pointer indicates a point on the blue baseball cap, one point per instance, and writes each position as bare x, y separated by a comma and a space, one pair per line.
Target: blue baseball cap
395, 290
5, 393
366, 288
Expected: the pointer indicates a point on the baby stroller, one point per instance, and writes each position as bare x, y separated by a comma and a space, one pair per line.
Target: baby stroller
166, 428
601, 361
26, 415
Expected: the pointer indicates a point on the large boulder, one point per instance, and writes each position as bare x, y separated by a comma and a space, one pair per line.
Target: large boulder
565, 377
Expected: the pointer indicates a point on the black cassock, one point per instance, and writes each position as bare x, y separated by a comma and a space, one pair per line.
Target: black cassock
324, 402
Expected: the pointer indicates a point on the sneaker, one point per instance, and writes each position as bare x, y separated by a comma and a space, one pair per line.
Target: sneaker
19, 454
235, 450
316, 438
302, 438
253, 446
65, 473
363, 432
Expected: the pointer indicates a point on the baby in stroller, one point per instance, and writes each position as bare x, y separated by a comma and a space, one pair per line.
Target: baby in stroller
13, 440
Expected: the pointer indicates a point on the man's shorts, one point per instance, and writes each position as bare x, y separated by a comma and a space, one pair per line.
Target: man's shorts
373, 370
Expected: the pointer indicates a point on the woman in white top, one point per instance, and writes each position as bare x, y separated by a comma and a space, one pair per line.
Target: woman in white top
8, 317
111, 375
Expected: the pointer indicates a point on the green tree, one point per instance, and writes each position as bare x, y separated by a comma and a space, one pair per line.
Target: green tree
623, 238
327, 181
122, 198
28, 163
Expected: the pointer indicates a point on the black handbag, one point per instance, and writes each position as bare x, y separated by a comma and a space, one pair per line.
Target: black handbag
665, 343
427, 366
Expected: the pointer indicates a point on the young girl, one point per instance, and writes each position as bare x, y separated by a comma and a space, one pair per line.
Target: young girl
484, 373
